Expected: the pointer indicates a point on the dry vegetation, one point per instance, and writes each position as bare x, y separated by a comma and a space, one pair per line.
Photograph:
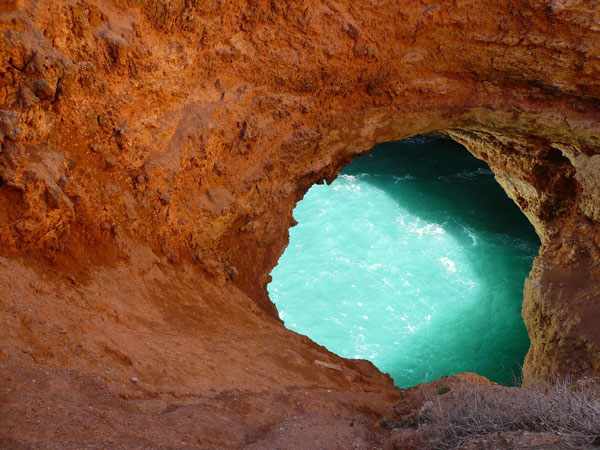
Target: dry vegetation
571, 411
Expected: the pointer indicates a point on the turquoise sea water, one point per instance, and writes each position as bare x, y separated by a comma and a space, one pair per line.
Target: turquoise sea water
414, 258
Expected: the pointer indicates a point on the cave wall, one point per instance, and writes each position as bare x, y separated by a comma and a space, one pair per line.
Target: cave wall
191, 129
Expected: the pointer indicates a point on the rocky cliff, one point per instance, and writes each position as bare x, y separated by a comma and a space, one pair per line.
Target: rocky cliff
152, 153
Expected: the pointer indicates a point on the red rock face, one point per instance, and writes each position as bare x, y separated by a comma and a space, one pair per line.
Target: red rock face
152, 153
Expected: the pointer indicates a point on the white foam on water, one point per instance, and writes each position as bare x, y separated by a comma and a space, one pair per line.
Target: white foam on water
378, 268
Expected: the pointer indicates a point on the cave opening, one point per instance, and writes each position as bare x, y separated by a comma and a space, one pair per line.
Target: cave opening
413, 258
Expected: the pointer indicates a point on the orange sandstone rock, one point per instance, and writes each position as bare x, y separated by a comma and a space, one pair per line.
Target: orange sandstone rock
152, 153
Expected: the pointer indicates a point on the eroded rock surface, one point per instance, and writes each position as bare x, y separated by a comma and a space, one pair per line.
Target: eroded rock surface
152, 153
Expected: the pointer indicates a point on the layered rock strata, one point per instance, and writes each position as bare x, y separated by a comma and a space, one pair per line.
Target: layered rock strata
152, 153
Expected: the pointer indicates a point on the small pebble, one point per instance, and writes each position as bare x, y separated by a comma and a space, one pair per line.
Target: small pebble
134, 379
